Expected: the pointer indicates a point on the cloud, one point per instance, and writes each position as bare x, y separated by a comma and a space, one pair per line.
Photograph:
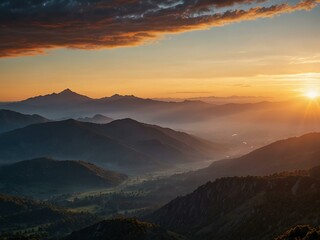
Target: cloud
34, 26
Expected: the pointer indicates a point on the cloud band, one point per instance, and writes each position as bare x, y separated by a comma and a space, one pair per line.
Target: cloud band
31, 27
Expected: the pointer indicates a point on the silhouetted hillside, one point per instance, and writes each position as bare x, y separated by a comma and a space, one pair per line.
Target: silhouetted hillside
46, 175
120, 229
125, 144
18, 215
10, 120
244, 207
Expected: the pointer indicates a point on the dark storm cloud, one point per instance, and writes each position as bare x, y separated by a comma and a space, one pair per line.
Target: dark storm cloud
32, 26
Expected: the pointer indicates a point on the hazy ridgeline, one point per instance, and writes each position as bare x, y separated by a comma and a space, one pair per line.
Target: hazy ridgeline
70, 163
242, 125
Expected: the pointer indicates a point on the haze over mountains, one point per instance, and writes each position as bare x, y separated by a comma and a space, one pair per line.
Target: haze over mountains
286, 155
255, 124
122, 144
68, 104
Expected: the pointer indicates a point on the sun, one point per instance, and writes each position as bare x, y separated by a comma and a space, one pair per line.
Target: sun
312, 94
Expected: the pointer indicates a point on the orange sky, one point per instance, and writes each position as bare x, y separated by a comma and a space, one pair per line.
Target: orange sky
277, 57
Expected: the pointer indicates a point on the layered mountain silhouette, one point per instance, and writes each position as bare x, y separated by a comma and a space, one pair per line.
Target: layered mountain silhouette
244, 207
40, 175
122, 144
70, 104
98, 118
22, 214
124, 229
10, 120
255, 123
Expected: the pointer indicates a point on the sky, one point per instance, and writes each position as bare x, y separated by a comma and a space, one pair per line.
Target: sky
164, 48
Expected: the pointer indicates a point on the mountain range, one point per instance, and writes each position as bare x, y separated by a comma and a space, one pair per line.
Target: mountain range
245, 126
69, 104
43, 177
10, 120
121, 144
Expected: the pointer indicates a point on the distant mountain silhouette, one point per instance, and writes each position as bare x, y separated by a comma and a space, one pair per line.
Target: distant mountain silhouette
118, 229
244, 207
65, 97
10, 120
66, 102
38, 175
124, 144
70, 104
18, 213
98, 118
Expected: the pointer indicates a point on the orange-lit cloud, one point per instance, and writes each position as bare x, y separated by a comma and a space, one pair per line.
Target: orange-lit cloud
32, 27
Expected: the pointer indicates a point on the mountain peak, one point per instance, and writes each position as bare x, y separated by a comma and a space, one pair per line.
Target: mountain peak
68, 91
67, 96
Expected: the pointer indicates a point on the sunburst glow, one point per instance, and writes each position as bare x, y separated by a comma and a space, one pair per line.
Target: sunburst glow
312, 94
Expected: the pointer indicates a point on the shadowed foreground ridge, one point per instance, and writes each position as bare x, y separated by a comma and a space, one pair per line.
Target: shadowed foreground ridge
245, 207
120, 229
